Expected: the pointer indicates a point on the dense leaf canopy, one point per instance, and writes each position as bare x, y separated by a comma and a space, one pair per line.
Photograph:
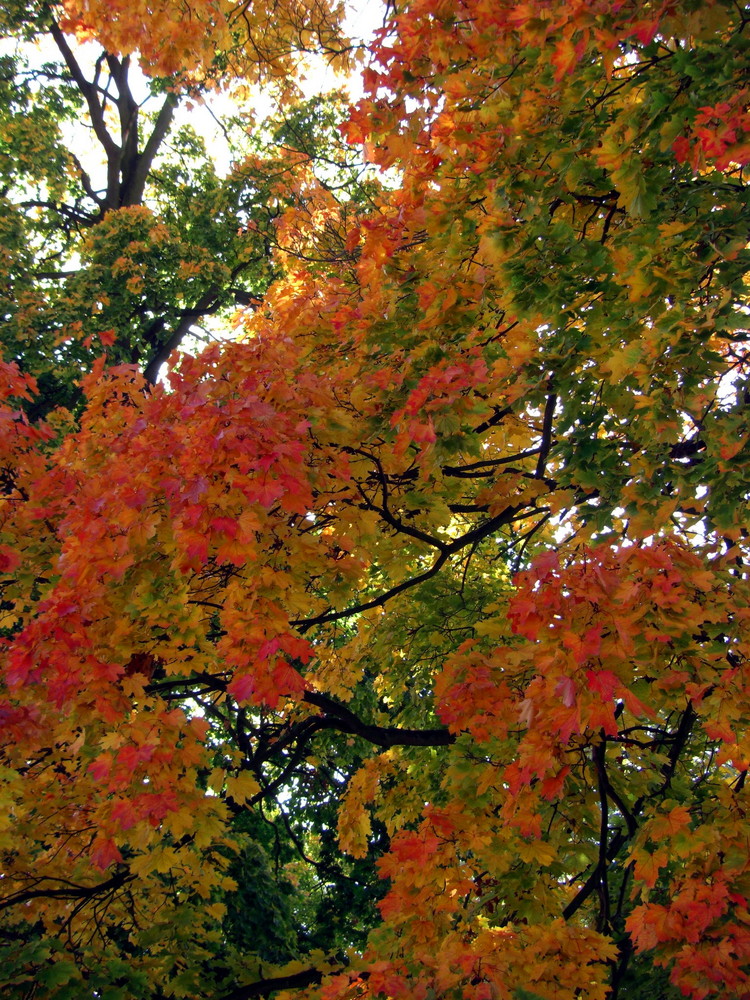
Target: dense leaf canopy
394, 643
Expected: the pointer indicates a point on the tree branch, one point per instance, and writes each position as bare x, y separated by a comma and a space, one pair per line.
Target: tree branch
546, 444
67, 891
481, 531
264, 987
206, 304
486, 467
678, 740
135, 183
90, 94
346, 721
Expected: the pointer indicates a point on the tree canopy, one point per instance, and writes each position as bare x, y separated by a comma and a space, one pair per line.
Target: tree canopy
374, 601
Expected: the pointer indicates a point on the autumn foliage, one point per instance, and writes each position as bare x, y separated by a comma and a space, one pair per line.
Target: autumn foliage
395, 644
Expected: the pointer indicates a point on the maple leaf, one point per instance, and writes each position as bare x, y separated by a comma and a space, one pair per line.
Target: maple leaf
9, 559
104, 852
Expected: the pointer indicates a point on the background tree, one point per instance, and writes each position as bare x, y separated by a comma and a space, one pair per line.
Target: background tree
448, 551
134, 236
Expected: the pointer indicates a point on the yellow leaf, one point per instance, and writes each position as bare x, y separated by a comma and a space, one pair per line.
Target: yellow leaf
242, 788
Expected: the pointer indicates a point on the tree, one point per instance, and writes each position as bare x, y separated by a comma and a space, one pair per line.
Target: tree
447, 551
130, 243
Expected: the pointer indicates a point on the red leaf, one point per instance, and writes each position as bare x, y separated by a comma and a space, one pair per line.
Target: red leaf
242, 687
9, 559
104, 852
